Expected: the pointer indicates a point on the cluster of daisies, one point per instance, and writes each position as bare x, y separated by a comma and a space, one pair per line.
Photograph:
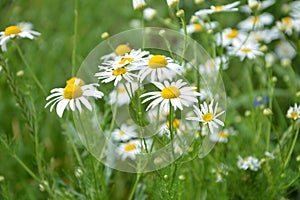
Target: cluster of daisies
250, 38
128, 70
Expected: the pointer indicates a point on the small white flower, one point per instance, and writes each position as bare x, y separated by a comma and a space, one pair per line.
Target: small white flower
121, 67
200, 26
258, 5
219, 8
208, 115
120, 50
124, 133
176, 94
249, 49
159, 68
295, 9
288, 25
212, 66
129, 149
21, 30
256, 22
284, 50
266, 35
293, 112
138, 4
249, 162
122, 94
229, 36
149, 13
72, 96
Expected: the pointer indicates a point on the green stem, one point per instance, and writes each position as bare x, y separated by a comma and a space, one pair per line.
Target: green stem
75, 37
138, 177
291, 150
29, 68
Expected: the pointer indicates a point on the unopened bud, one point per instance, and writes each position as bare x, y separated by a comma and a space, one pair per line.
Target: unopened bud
198, 2
267, 111
20, 73
180, 13
104, 35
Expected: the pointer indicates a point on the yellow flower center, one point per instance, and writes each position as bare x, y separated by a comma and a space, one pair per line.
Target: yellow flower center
119, 71
122, 49
176, 124
294, 115
121, 90
254, 19
72, 91
208, 117
126, 60
129, 147
223, 135
11, 30
121, 133
198, 27
72, 80
170, 92
245, 50
157, 61
217, 8
286, 20
232, 34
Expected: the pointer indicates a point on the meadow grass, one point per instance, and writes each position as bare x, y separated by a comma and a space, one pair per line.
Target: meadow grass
42, 156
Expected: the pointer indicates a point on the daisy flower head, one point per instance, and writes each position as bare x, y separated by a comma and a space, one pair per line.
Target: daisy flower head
124, 133
200, 26
250, 50
138, 4
256, 5
122, 94
266, 35
229, 36
293, 112
220, 8
288, 25
129, 149
249, 162
258, 22
176, 94
120, 50
21, 30
159, 68
284, 50
211, 66
72, 96
207, 114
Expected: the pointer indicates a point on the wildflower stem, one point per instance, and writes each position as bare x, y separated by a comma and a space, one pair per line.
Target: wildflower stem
75, 37
291, 149
184, 38
29, 68
138, 177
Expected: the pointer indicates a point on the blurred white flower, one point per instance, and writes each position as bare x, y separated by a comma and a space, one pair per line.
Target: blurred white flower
220, 8
138, 4
124, 133
256, 22
249, 162
249, 49
21, 30
284, 50
149, 13
229, 36
293, 112
288, 25
123, 93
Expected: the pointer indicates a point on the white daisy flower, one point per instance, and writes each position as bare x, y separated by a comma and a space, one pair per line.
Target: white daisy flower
159, 68
129, 149
121, 68
213, 65
149, 13
120, 94
21, 30
176, 94
249, 162
295, 9
229, 36
248, 50
293, 112
258, 22
124, 133
220, 8
208, 115
288, 25
138, 4
266, 35
200, 26
284, 50
120, 50
72, 96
